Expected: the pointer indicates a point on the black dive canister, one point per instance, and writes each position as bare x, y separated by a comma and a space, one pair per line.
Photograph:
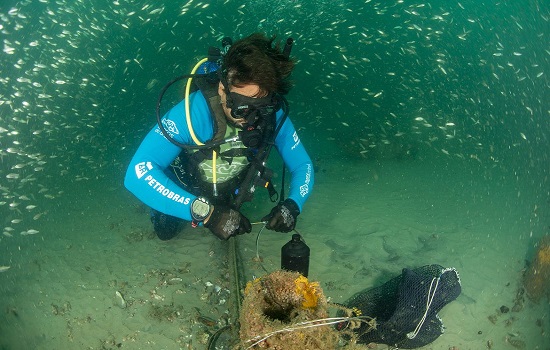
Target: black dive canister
295, 255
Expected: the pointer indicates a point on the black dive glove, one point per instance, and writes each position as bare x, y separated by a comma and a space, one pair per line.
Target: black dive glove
283, 217
225, 222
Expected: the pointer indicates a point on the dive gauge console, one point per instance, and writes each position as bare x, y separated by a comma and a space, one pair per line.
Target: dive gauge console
200, 208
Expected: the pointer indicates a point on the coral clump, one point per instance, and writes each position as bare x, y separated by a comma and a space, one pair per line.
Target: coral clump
274, 309
537, 277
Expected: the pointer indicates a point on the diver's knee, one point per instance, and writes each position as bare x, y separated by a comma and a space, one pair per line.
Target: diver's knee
165, 235
166, 227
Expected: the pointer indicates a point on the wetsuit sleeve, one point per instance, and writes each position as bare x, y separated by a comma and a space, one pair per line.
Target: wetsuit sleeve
146, 176
297, 162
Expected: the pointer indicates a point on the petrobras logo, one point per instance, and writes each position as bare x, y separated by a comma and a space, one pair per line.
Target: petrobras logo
296, 140
142, 168
304, 190
170, 126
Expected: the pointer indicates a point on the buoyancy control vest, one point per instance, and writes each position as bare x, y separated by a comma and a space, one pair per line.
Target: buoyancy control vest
195, 167
224, 169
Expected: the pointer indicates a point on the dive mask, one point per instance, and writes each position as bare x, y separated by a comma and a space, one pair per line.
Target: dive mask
251, 109
257, 113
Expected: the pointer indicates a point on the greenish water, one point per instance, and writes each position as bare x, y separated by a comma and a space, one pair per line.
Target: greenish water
452, 83
81, 80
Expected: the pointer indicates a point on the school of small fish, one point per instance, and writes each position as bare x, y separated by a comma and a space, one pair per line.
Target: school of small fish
80, 81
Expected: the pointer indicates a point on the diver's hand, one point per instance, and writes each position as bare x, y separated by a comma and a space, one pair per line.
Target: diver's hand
225, 222
283, 217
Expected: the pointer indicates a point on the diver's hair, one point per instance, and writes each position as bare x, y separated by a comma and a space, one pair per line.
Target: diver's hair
255, 60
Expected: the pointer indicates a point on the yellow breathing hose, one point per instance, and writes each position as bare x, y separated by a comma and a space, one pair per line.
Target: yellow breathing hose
214, 170
190, 126
187, 113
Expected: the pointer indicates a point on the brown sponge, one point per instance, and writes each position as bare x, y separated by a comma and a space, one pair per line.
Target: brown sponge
537, 277
276, 303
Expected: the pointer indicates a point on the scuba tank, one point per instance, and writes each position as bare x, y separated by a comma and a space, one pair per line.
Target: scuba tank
295, 255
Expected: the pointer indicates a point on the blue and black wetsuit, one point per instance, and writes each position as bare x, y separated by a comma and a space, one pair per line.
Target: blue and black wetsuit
151, 178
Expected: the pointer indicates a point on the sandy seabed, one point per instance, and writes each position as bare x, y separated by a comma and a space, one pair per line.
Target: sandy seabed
364, 223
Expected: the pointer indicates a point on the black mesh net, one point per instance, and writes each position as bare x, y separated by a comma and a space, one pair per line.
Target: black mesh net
406, 307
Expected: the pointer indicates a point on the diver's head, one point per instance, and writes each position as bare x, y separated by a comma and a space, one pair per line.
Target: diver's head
258, 60
253, 76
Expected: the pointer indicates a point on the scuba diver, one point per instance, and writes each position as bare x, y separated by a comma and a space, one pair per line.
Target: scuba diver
207, 154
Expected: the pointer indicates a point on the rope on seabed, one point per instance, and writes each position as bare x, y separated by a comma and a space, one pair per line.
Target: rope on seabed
214, 337
258, 259
429, 300
308, 324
